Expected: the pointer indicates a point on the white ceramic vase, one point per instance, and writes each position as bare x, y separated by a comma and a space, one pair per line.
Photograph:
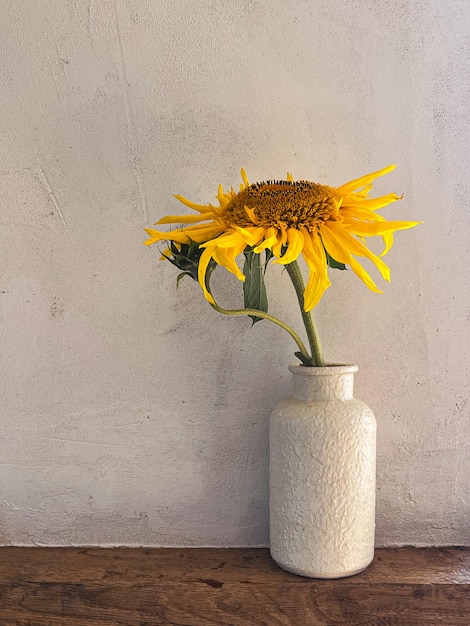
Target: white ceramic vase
322, 446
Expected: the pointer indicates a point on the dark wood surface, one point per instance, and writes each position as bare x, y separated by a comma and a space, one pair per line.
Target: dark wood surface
225, 587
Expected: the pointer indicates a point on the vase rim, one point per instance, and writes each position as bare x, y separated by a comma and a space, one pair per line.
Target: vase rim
331, 369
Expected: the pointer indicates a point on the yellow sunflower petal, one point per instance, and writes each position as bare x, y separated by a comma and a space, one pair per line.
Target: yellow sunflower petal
251, 215
388, 241
225, 199
154, 236
203, 232
363, 193
226, 240
233, 238
202, 208
359, 212
372, 229
383, 228
202, 269
281, 241
372, 204
245, 177
182, 219
175, 235
318, 281
289, 177
363, 275
295, 244
199, 233
226, 257
252, 235
357, 183
335, 248
166, 254
360, 215
359, 249
270, 239
220, 193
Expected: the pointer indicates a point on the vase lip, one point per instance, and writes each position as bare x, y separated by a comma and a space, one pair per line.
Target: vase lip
330, 369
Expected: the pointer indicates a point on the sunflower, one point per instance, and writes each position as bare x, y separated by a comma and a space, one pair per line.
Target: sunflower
326, 225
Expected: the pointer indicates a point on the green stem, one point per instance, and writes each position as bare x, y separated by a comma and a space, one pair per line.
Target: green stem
295, 275
266, 316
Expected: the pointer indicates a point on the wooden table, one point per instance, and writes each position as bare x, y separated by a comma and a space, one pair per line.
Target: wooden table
225, 587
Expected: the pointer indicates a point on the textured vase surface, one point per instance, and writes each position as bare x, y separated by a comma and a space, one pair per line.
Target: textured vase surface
322, 447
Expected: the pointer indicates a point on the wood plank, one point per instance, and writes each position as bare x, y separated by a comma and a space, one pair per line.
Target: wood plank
129, 565
239, 587
240, 605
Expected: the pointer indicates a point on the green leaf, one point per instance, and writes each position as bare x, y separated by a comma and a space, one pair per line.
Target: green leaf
185, 256
269, 256
306, 361
254, 289
334, 264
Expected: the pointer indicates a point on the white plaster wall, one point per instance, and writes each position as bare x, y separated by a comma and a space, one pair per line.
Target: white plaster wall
131, 412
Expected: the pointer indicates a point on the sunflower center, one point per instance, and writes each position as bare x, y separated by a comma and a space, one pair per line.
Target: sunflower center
289, 203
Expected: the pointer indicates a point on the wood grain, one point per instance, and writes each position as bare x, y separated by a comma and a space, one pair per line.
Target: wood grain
239, 587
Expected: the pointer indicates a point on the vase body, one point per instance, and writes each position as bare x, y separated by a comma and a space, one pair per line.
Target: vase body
322, 447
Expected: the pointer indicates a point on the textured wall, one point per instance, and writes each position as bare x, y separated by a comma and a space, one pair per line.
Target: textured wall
131, 412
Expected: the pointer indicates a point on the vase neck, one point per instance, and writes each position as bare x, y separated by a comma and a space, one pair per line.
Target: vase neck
323, 383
